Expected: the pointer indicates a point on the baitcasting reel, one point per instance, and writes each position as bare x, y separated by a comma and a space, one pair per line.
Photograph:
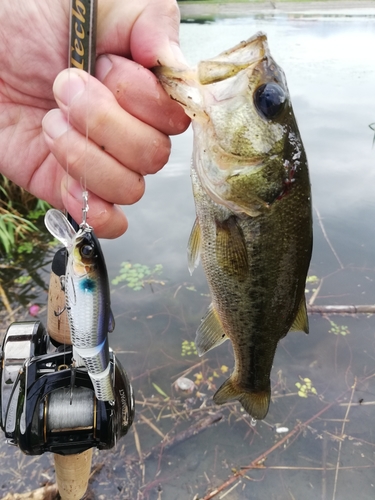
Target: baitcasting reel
44, 408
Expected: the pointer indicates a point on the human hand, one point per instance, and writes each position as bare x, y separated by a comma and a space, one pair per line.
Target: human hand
129, 117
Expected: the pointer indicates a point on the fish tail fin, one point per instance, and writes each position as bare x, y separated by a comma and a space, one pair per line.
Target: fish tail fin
255, 403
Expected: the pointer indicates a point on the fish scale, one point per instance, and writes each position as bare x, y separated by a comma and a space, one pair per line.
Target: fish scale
253, 230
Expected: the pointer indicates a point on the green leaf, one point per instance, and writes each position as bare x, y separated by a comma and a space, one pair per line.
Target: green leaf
159, 390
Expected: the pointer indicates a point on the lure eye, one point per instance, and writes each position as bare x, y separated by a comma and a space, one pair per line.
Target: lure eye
269, 100
87, 251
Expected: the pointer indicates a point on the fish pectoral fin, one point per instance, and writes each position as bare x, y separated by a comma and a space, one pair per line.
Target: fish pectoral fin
231, 251
210, 333
194, 247
301, 321
255, 403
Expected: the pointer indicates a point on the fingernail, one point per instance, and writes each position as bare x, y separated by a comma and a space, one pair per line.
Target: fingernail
67, 86
55, 124
103, 67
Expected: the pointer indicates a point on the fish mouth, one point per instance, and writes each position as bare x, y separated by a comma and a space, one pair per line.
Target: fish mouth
244, 55
184, 85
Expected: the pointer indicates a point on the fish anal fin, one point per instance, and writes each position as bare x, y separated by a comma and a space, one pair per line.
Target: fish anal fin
256, 404
301, 321
210, 332
194, 246
231, 252
228, 391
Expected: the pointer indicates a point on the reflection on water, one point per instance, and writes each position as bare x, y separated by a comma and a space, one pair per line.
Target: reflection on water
328, 449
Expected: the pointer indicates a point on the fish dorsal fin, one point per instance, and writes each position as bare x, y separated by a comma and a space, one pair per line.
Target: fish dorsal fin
210, 333
301, 321
231, 252
194, 246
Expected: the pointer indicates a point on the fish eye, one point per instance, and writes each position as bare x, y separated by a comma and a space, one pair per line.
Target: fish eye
269, 100
87, 251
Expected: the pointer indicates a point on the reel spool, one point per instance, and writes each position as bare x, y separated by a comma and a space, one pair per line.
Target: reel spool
40, 408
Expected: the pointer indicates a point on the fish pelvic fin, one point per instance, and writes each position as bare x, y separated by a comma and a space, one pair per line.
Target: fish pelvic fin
255, 403
301, 321
194, 247
210, 333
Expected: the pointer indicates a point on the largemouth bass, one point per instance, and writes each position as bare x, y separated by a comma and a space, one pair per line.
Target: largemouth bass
253, 230
87, 298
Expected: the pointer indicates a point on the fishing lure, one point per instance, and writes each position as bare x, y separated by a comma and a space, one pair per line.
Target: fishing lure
87, 298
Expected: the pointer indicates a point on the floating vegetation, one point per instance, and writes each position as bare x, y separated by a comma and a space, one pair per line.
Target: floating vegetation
136, 276
312, 279
338, 329
305, 388
188, 348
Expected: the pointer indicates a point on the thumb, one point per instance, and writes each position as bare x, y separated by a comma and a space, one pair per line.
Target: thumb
154, 37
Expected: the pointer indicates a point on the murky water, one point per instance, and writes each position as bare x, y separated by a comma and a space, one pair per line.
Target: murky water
328, 448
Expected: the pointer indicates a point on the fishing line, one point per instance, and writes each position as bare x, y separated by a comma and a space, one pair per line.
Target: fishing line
81, 55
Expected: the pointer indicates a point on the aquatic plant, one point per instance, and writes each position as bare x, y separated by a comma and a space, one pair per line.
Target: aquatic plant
160, 391
305, 387
188, 348
312, 279
136, 276
338, 329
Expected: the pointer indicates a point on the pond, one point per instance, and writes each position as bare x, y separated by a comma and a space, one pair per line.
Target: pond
327, 445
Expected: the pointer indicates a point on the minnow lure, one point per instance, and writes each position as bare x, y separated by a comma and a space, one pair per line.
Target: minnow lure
87, 298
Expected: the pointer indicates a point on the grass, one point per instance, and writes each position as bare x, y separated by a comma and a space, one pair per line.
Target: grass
19, 215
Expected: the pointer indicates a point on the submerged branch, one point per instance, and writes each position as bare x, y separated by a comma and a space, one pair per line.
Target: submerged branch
258, 462
191, 431
366, 309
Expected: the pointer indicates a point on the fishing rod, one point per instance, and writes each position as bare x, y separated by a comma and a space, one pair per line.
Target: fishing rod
54, 396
